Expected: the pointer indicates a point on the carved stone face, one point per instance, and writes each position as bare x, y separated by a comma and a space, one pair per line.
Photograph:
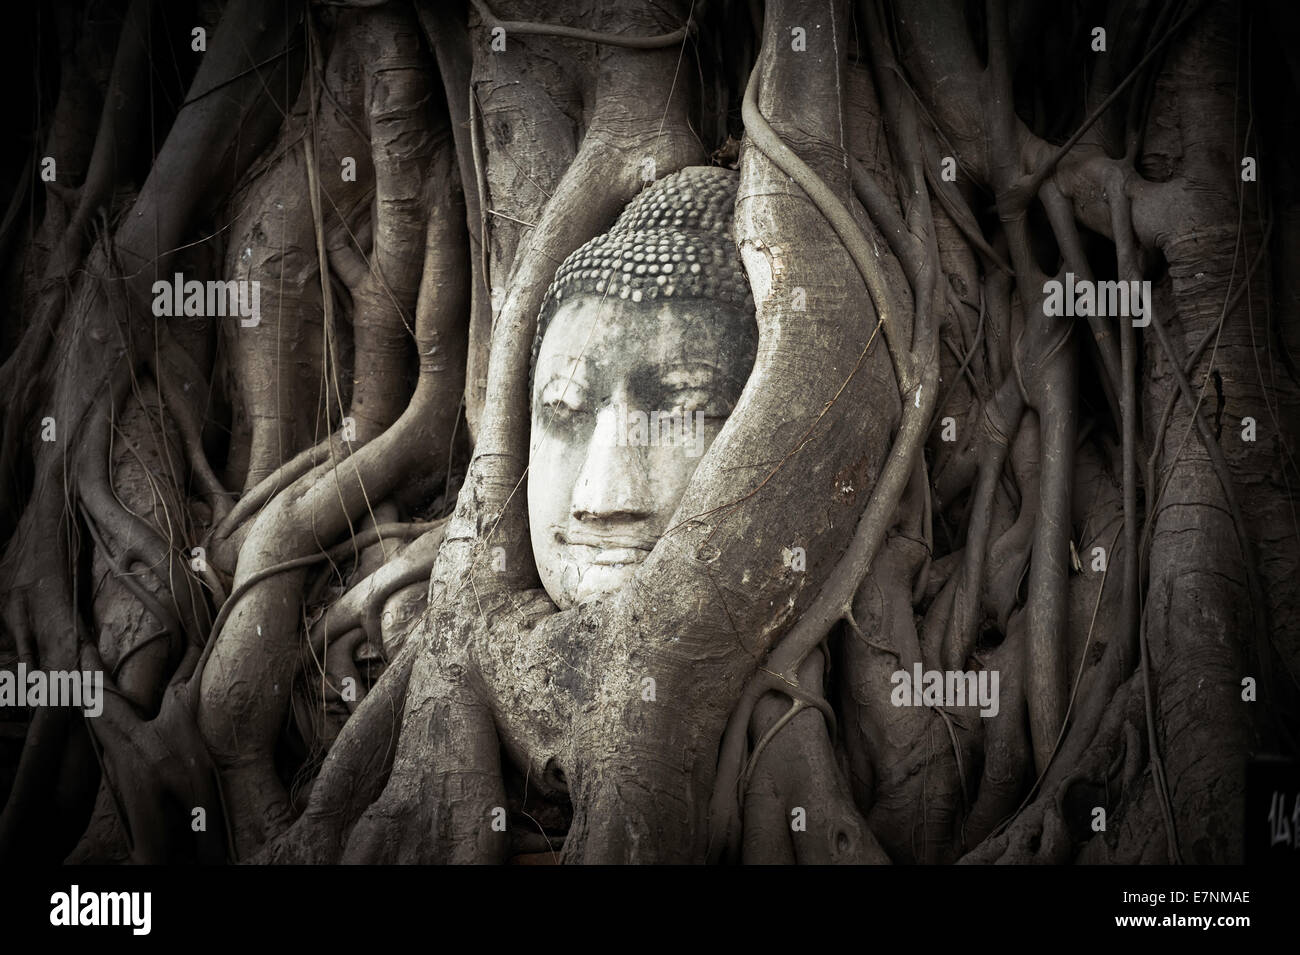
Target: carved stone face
626, 398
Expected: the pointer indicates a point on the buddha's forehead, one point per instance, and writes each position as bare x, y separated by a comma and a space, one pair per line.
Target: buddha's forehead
602, 332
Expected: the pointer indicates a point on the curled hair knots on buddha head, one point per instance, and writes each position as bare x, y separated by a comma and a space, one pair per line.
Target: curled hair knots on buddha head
673, 241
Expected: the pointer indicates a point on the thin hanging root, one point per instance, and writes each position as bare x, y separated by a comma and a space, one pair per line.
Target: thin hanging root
964, 367
1122, 711
1129, 269
1066, 232
959, 212
1007, 756
765, 138
116, 524
190, 429
725, 812
752, 763
1074, 692
347, 243
726, 807
999, 424
339, 667
1215, 329
121, 565
956, 753
1224, 474
1047, 607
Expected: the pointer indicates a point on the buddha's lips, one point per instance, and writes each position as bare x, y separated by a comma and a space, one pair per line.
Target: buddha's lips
608, 551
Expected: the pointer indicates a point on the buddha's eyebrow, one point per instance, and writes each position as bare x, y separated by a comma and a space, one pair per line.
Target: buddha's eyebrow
568, 366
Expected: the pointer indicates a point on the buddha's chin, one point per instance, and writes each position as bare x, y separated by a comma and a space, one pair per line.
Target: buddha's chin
581, 581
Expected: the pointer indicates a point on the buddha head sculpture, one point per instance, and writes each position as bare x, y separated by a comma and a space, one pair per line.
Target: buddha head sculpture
644, 342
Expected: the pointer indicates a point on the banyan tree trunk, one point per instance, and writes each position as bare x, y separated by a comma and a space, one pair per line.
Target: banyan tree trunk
296, 551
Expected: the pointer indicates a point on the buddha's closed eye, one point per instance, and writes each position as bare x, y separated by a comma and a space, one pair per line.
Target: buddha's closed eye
563, 397
699, 387
687, 401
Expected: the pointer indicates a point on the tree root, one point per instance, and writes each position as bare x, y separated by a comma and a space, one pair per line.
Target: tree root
245, 685
797, 806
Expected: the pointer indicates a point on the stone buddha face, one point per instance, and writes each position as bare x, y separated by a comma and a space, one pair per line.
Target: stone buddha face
626, 398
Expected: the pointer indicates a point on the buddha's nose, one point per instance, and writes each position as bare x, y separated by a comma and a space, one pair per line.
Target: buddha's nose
614, 481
